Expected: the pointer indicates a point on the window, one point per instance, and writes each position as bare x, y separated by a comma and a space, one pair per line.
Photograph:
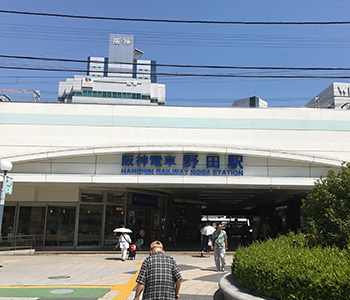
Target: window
60, 226
90, 225
94, 94
109, 94
78, 94
104, 94
8, 221
114, 218
31, 222
114, 95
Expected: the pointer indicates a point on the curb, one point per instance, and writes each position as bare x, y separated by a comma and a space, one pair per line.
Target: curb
232, 291
18, 252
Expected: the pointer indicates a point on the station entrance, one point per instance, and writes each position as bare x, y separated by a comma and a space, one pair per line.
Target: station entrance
277, 208
76, 202
151, 214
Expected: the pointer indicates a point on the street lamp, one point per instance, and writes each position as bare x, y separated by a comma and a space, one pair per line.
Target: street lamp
5, 166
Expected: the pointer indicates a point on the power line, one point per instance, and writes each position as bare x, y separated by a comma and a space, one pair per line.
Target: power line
231, 40
180, 65
173, 20
55, 69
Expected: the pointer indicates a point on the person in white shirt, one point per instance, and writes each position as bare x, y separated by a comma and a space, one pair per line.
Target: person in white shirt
124, 243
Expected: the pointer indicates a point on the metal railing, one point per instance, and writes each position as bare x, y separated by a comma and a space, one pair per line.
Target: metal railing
16, 242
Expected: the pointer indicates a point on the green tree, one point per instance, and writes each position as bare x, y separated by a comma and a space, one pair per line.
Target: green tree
327, 209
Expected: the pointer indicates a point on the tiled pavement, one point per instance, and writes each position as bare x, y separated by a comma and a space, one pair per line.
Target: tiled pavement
98, 276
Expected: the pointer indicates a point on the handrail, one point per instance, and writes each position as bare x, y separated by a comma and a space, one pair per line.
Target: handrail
14, 242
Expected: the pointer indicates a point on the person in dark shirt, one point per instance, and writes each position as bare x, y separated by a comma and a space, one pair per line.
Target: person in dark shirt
159, 276
174, 233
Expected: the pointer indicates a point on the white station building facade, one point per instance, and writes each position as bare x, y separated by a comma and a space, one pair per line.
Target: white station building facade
80, 170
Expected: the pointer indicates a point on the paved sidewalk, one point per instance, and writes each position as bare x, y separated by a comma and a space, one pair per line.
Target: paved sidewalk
98, 276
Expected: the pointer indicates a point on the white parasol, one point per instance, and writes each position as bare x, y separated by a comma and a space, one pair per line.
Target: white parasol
208, 230
122, 229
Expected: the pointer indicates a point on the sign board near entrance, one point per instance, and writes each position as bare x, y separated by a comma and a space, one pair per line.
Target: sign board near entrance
182, 165
144, 200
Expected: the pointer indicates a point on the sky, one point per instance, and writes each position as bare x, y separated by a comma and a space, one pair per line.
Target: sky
311, 46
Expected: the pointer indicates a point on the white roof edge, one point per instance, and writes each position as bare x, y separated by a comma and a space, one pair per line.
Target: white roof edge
167, 148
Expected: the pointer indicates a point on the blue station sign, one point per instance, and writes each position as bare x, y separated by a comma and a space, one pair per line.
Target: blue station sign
182, 165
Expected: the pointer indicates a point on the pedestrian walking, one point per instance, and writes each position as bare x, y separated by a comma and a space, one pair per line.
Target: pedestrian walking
206, 243
265, 230
244, 233
140, 235
159, 277
124, 243
256, 230
219, 245
174, 232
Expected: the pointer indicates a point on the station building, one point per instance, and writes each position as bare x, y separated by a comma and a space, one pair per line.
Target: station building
109, 154
81, 170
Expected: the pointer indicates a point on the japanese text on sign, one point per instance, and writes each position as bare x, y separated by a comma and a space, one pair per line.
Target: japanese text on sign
139, 164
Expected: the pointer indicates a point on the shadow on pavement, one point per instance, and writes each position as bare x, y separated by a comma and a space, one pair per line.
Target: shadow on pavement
113, 258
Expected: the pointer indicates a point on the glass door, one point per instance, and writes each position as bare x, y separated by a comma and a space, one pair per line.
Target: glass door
90, 225
114, 219
60, 226
115, 216
31, 221
90, 218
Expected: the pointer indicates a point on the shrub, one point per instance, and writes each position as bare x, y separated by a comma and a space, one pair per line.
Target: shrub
327, 209
278, 270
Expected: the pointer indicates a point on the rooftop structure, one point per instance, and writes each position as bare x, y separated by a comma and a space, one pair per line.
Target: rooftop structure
120, 78
250, 102
336, 95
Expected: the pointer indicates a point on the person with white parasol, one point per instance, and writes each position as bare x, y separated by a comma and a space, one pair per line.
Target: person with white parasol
124, 240
206, 233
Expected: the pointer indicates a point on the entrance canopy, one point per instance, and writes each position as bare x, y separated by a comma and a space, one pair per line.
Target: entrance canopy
220, 179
